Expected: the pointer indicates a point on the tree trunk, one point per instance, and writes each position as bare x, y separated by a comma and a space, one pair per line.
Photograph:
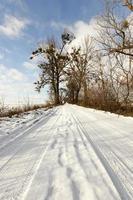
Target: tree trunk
85, 93
77, 96
57, 99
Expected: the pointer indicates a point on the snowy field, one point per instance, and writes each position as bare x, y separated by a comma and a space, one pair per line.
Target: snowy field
66, 153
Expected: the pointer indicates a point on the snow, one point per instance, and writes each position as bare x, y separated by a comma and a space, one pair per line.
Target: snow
10, 127
66, 153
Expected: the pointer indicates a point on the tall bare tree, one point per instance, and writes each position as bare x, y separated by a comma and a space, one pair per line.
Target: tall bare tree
78, 70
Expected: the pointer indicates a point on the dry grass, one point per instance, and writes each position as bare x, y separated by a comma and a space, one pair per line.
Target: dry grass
113, 107
10, 112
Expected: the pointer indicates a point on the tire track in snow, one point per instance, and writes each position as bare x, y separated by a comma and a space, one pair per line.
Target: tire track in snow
76, 165
54, 170
19, 137
50, 188
74, 187
120, 187
63, 172
41, 160
117, 164
74, 170
28, 172
82, 160
122, 170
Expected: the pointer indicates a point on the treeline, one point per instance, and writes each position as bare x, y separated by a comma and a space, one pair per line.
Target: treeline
97, 74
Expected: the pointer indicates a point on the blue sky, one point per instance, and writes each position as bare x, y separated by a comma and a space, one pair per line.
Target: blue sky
24, 23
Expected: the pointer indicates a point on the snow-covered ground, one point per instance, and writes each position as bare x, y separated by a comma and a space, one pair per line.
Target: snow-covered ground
66, 153
15, 126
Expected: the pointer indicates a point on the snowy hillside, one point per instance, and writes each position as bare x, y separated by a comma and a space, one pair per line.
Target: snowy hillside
66, 153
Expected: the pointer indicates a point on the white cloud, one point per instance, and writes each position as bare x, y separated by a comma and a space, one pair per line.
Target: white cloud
11, 74
15, 75
82, 29
29, 65
16, 87
13, 27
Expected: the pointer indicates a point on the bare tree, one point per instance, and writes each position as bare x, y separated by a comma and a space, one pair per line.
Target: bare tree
77, 71
116, 34
129, 4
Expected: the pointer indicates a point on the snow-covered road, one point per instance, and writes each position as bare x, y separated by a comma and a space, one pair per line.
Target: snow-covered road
71, 153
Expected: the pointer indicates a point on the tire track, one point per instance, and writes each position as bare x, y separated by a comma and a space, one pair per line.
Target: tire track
29, 129
120, 187
82, 163
19, 137
29, 172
